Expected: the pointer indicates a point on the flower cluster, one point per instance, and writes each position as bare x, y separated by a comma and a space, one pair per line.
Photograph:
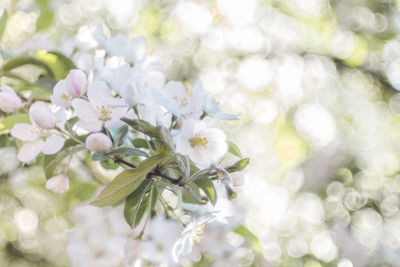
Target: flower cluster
154, 133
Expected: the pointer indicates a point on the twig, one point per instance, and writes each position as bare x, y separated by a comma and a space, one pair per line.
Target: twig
152, 173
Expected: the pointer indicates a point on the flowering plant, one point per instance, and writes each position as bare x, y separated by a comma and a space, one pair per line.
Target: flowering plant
155, 135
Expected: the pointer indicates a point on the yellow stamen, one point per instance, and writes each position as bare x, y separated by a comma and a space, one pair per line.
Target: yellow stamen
105, 113
183, 102
65, 96
198, 141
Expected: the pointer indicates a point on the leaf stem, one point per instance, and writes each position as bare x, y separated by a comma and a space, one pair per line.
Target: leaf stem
152, 173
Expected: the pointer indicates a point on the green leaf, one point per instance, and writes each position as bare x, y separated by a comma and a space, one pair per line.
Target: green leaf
161, 133
126, 151
7, 123
3, 22
57, 159
191, 194
142, 143
207, 186
46, 15
238, 165
134, 200
40, 93
70, 123
21, 61
57, 62
234, 150
121, 134
109, 164
246, 233
127, 181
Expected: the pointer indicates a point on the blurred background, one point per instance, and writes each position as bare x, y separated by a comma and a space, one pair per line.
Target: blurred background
315, 82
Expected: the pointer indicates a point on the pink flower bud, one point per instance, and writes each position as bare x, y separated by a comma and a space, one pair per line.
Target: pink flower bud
58, 184
9, 100
98, 143
41, 115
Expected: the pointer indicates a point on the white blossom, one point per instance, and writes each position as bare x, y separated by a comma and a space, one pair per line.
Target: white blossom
203, 145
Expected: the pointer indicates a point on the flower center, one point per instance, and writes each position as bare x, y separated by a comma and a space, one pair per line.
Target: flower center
65, 96
197, 234
105, 113
198, 141
183, 102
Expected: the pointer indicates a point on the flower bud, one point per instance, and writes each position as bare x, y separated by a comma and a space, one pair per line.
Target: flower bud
9, 100
58, 184
238, 178
98, 143
41, 115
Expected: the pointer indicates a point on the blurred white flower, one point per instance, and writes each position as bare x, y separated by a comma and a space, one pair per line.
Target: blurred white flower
95, 112
9, 100
98, 143
203, 145
58, 184
209, 104
238, 178
190, 235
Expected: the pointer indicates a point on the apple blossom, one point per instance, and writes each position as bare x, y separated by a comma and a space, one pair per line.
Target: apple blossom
209, 104
190, 235
98, 143
58, 184
9, 100
95, 113
73, 86
39, 136
204, 146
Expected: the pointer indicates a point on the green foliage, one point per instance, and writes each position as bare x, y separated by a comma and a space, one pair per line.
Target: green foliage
121, 151
52, 161
54, 65
238, 165
128, 181
134, 201
161, 133
247, 234
191, 194
205, 184
234, 149
3, 23
7, 123
46, 15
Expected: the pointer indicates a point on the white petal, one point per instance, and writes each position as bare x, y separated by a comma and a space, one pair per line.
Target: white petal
61, 96
121, 75
25, 132
97, 91
53, 144
61, 117
30, 150
41, 114
84, 110
58, 184
175, 89
93, 126
138, 49
76, 83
